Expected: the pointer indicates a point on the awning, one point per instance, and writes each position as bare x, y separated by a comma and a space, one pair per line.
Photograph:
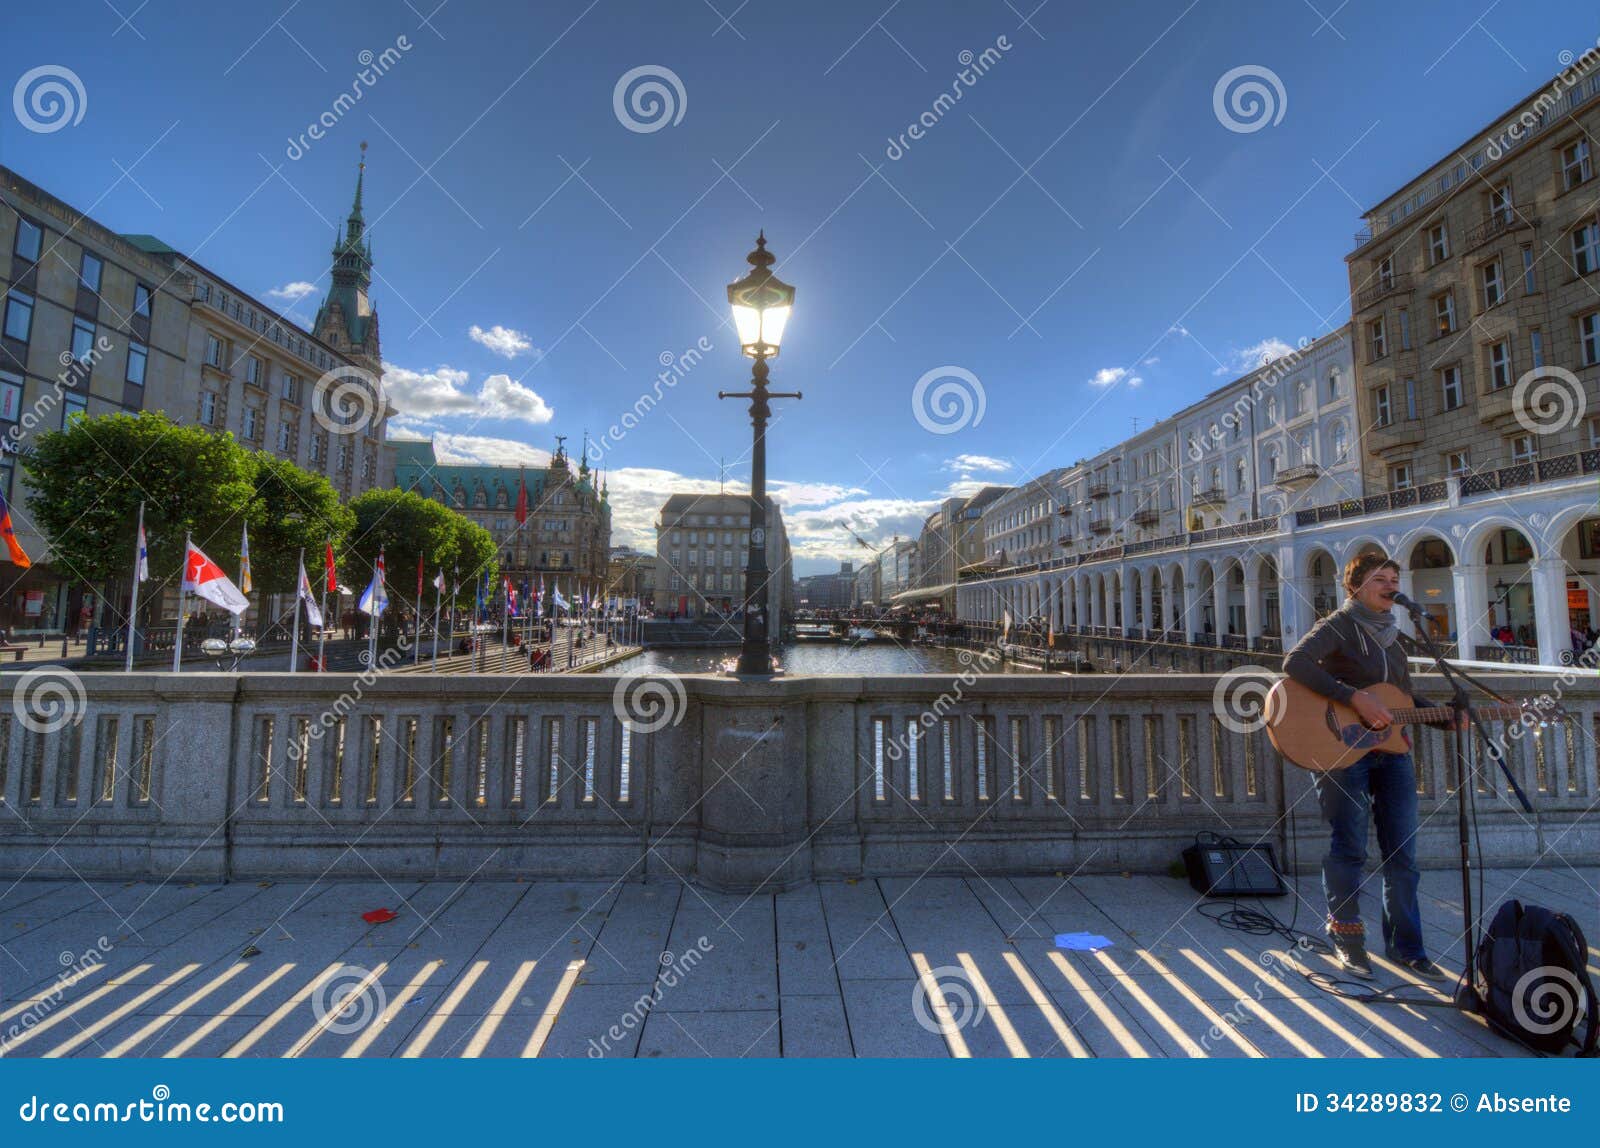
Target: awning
925, 594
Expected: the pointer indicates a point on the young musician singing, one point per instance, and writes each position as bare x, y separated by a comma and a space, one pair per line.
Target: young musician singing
1354, 647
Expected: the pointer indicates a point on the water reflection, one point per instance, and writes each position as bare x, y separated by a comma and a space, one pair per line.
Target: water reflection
826, 658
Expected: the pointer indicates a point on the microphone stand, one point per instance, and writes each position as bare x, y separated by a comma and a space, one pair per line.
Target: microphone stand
1461, 703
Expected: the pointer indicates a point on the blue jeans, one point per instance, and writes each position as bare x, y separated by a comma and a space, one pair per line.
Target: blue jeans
1385, 784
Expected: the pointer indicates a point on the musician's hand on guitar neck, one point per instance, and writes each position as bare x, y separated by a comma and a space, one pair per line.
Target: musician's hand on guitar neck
1373, 713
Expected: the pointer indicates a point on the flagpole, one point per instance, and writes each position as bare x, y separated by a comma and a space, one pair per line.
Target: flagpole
505, 623
455, 596
177, 646
416, 649
133, 602
322, 634
438, 590
294, 634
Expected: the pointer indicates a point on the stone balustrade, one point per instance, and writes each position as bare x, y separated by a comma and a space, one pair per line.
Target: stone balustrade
208, 776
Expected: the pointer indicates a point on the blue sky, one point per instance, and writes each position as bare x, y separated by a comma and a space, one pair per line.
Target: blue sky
1080, 231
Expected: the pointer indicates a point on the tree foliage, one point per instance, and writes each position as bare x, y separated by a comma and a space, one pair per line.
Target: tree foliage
291, 510
405, 525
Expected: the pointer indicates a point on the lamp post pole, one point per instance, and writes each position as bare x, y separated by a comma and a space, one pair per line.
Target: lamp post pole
761, 305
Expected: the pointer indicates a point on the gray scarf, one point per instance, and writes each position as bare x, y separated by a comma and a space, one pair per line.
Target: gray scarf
1379, 625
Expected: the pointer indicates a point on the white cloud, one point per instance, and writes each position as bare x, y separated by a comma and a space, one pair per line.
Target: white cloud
442, 391
1150, 362
478, 450
798, 494
1246, 359
505, 341
968, 464
292, 292
1110, 376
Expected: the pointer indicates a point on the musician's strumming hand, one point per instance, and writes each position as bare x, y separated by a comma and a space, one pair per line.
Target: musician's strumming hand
1373, 713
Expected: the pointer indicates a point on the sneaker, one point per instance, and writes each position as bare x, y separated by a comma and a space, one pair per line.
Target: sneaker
1351, 953
1424, 968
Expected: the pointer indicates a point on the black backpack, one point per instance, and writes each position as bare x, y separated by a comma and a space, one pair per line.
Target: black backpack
1530, 982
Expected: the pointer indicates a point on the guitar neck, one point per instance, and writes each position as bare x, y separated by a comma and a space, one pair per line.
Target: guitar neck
1429, 715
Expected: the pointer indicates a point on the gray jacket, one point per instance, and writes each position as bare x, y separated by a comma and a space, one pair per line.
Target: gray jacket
1337, 657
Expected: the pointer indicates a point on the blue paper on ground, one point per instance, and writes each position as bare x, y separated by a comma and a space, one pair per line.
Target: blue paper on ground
1083, 942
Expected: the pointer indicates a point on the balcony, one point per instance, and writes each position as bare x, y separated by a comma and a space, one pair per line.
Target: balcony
1101, 525
1215, 496
1065, 538
1382, 290
1495, 407
1298, 476
1147, 516
1099, 488
1402, 435
1493, 226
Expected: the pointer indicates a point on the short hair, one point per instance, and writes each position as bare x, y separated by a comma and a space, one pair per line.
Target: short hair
1362, 566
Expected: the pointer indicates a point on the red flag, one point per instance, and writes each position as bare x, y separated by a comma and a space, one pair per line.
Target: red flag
522, 501
19, 557
327, 562
204, 577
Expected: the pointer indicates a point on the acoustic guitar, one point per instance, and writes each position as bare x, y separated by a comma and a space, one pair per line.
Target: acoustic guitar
1321, 734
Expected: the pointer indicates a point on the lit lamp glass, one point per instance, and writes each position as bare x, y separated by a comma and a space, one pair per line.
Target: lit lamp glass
761, 304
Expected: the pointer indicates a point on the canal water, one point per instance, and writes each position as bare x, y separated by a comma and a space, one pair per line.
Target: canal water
825, 658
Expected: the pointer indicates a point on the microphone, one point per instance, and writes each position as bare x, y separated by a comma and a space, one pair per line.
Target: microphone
1410, 606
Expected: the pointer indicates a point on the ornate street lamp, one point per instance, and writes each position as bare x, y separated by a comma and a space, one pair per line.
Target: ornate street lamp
761, 305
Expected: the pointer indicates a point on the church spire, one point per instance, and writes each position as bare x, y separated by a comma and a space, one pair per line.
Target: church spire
347, 320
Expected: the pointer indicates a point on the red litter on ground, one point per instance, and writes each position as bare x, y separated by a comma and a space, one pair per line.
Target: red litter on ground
379, 916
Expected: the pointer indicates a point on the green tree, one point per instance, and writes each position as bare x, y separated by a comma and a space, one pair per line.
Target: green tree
291, 510
406, 525
87, 480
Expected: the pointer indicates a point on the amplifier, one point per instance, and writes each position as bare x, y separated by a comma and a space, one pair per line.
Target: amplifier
1230, 869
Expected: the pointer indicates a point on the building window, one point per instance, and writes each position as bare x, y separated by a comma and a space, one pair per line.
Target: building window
1334, 387
10, 398
1500, 365
1500, 204
1382, 415
1589, 337
71, 406
19, 316
252, 423
1455, 463
1400, 476
137, 358
1238, 477
1444, 313
1522, 449
1405, 329
1341, 442
1575, 164
1530, 281
1272, 410
291, 388
1536, 347
214, 352
1492, 290
1438, 244
89, 272
208, 409
1386, 272
1411, 398
319, 448
286, 438
252, 370
1450, 387
141, 300
1586, 248
82, 340
28, 240
1377, 344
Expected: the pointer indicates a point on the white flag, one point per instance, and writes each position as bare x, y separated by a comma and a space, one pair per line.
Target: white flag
313, 611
